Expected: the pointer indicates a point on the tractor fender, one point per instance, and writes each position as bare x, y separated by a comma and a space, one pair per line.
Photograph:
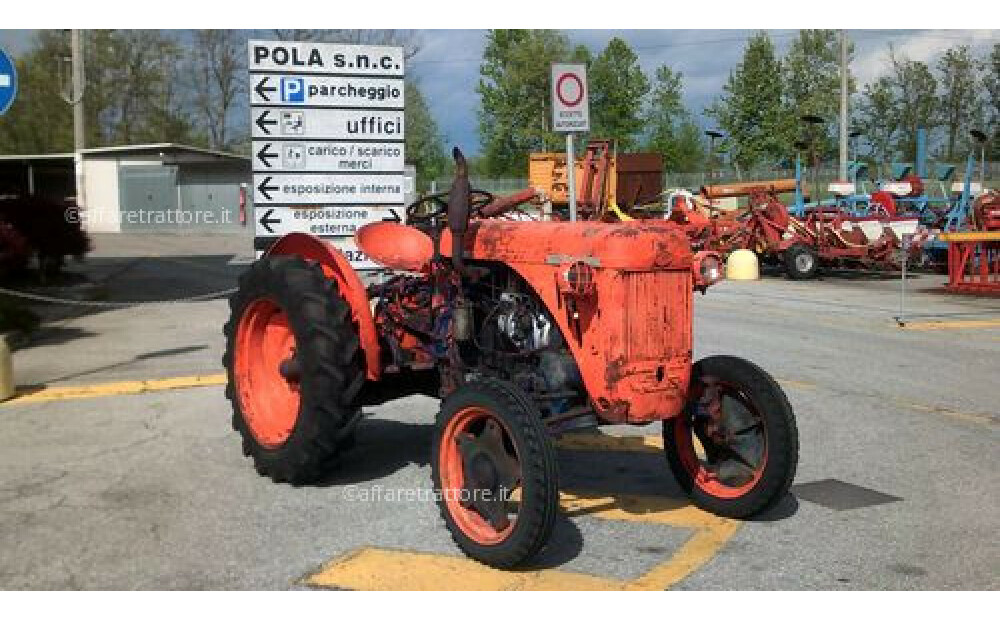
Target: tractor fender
336, 266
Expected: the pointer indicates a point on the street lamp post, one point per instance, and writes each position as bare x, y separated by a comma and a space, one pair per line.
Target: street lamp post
982, 139
852, 137
712, 134
74, 97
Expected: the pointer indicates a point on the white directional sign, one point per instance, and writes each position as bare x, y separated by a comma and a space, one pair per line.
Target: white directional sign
328, 129
570, 108
327, 156
322, 221
326, 91
326, 58
318, 189
328, 124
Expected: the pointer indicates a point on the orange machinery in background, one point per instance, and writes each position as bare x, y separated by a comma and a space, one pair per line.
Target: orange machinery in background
602, 176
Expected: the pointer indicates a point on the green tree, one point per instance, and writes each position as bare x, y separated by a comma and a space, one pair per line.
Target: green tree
39, 121
618, 88
811, 85
960, 104
132, 93
672, 131
991, 83
875, 116
916, 102
423, 142
750, 111
514, 111
217, 74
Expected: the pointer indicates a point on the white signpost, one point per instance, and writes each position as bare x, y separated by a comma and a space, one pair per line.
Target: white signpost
327, 127
570, 113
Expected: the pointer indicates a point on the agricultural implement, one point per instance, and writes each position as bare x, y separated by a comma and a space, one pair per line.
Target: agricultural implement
525, 330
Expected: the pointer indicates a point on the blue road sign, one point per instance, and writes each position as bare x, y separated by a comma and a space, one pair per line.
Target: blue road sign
293, 90
8, 81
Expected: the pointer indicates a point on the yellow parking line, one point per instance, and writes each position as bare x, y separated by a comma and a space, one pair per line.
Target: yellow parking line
937, 325
371, 568
33, 395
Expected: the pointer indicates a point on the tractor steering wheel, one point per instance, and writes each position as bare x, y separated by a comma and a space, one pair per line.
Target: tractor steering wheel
478, 199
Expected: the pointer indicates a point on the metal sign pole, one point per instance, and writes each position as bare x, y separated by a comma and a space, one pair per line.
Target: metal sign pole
571, 177
901, 319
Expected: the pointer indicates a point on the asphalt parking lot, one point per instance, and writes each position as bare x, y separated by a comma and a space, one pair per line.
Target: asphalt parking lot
119, 468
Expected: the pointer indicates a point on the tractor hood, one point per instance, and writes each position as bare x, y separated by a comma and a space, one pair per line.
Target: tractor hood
629, 246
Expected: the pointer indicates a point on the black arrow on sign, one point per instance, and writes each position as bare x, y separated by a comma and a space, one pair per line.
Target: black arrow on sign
393, 218
265, 188
262, 122
266, 220
261, 90
265, 154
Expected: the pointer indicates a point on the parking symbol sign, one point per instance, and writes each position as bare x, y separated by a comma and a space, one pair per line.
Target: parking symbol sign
293, 90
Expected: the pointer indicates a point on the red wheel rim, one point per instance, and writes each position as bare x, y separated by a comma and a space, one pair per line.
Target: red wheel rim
269, 398
705, 471
474, 422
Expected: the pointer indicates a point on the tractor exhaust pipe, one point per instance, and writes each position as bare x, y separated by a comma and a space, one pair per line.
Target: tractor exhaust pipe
458, 210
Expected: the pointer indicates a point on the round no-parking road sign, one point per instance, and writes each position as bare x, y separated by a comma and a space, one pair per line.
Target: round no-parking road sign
570, 111
8, 81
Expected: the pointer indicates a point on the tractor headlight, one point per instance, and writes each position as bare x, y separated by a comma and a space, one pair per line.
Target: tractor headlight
579, 279
707, 268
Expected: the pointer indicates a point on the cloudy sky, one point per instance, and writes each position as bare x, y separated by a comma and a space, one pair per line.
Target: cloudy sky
447, 65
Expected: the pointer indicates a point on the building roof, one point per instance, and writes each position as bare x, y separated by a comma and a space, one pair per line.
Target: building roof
130, 148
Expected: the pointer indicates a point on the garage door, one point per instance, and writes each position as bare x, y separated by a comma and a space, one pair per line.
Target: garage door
210, 200
148, 198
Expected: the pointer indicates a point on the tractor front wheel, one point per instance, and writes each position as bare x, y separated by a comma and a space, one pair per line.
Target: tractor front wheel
294, 368
735, 447
494, 473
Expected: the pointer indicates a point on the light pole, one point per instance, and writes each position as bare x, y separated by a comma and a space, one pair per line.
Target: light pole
982, 139
852, 137
74, 97
713, 135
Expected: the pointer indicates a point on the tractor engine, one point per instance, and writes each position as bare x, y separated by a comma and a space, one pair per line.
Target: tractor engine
511, 335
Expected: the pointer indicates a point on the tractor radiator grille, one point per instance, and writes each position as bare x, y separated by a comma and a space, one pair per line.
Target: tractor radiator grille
658, 314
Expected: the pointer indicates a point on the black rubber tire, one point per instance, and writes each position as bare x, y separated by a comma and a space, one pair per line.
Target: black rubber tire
797, 254
327, 346
781, 433
539, 472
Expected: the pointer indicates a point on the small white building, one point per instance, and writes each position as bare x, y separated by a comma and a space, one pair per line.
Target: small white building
140, 188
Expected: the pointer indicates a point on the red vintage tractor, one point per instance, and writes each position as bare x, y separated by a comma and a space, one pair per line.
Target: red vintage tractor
524, 330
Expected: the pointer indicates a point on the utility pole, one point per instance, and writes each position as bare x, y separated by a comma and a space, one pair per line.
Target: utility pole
843, 105
74, 97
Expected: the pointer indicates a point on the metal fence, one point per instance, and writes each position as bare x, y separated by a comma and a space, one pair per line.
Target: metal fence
694, 180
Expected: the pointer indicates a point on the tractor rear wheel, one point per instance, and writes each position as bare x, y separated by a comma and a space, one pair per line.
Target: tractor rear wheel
494, 473
294, 368
735, 448
801, 262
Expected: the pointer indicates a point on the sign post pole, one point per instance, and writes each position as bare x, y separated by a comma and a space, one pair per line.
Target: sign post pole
571, 177
570, 114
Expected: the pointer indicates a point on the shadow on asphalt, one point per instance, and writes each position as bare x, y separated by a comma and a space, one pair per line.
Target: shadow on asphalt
120, 280
381, 448
99, 369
